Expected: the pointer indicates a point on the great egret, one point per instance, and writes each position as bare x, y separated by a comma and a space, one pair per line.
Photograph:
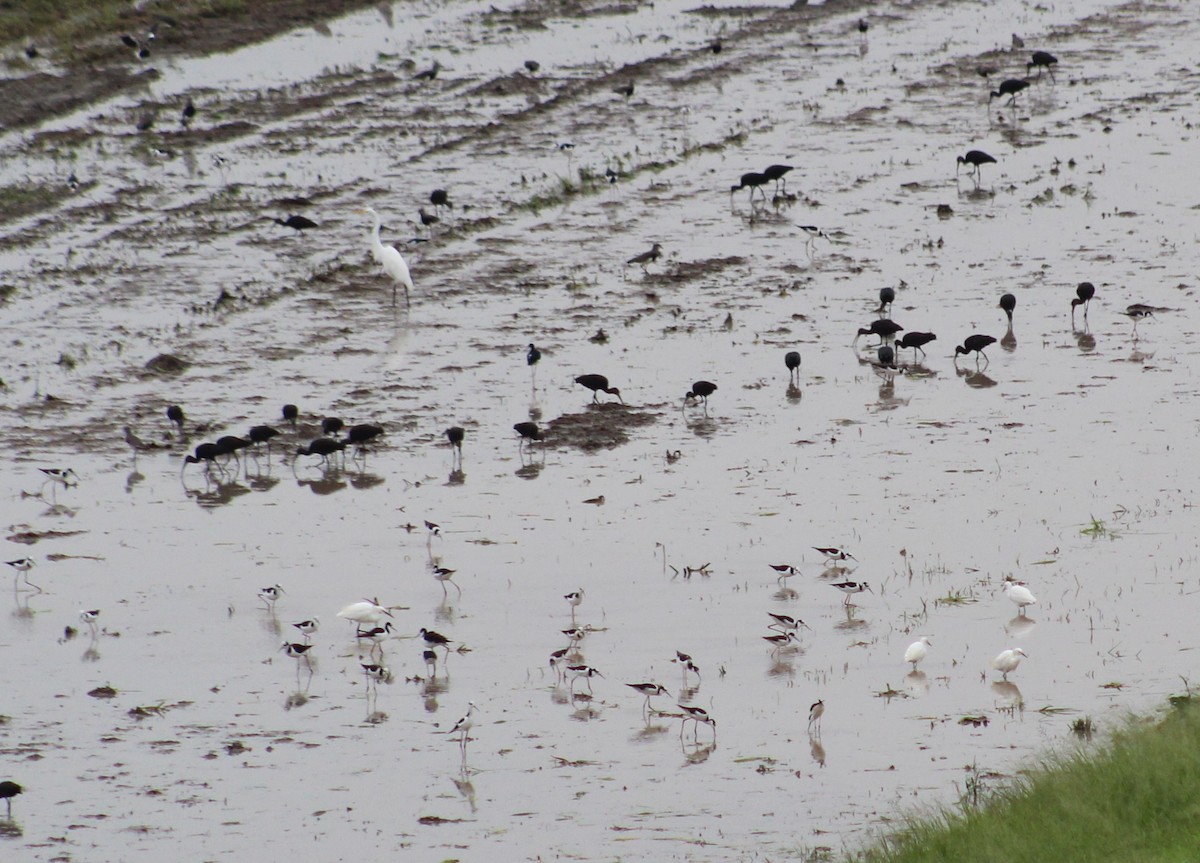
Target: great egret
391, 259
917, 651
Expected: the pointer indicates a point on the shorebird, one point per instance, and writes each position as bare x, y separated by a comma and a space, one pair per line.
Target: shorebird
297, 651
784, 623
269, 595
9, 790
1008, 660
701, 390
89, 616
434, 639
574, 598
833, 555
1042, 60
650, 690
1020, 595
752, 181
785, 570
463, 726
696, 715
1008, 302
598, 384
792, 360
646, 257
1010, 87
917, 342
308, 627
1083, 297
852, 587
780, 640
685, 662
22, 567
976, 159
815, 711
974, 343
444, 575
885, 328
582, 672
917, 651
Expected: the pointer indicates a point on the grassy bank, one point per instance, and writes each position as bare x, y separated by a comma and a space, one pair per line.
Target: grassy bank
1135, 799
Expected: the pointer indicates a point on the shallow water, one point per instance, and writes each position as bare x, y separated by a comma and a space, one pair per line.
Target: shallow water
941, 481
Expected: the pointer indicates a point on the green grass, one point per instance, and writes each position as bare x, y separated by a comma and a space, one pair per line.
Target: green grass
1136, 799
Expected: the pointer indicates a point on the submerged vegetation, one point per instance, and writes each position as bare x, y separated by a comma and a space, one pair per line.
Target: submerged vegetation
1134, 798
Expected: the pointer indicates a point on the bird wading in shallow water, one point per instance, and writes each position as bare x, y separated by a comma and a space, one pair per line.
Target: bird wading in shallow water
917, 651
974, 343
976, 159
1083, 297
1042, 60
1008, 660
389, 258
792, 360
917, 342
598, 384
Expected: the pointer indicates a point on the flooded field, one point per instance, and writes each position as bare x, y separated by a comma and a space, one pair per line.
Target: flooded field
173, 721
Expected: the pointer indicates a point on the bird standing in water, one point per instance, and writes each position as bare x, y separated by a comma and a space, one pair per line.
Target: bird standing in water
392, 261
598, 384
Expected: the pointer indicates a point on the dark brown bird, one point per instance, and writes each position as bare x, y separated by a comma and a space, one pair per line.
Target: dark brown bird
974, 343
625, 90
976, 159
290, 414
262, 434
532, 66
455, 435
175, 415
917, 342
598, 383
362, 434
792, 360
1042, 60
1010, 88
189, 112
296, 223
701, 390
528, 431
885, 328
646, 257
322, 446
428, 74
1083, 297
9, 790
1008, 302
440, 198
777, 173
331, 425
751, 181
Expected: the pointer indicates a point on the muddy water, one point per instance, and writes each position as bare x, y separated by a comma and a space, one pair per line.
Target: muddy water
1062, 463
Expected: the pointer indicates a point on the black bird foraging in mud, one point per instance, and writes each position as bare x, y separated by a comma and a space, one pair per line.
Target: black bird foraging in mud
455, 435
1083, 297
323, 447
528, 431
792, 360
362, 434
428, 74
887, 296
532, 355
331, 425
701, 390
1010, 88
917, 342
887, 357
885, 328
1042, 60
778, 174
300, 224
188, 114
646, 257
598, 384
1008, 302
175, 415
262, 434
205, 452
974, 343
9, 790
290, 414
976, 159
752, 181
440, 198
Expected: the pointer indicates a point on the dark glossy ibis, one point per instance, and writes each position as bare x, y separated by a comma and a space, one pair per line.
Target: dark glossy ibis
885, 328
428, 74
598, 384
917, 342
778, 174
9, 790
976, 159
175, 415
230, 444
290, 414
1010, 87
1042, 60
863, 26
887, 357
455, 435
188, 114
751, 181
528, 431
532, 66
974, 343
205, 452
1083, 297
331, 425
532, 355
440, 198
262, 434
646, 257
1008, 302
296, 223
887, 296
792, 360
701, 390
360, 435
323, 447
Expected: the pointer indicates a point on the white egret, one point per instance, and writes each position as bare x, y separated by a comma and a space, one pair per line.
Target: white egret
917, 651
390, 258
367, 611
1008, 660
1019, 594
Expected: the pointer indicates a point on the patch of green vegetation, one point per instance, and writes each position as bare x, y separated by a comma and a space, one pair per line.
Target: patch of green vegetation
1133, 799
22, 199
1098, 529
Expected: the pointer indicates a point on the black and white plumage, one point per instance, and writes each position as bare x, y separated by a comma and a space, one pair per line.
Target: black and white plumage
785, 623
21, 567
367, 612
308, 627
650, 690
815, 711
584, 673
270, 595
852, 587
834, 555
697, 715
297, 652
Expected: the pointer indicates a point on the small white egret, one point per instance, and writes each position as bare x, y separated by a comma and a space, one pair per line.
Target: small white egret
917, 651
367, 611
389, 257
1008, 660
1019, 594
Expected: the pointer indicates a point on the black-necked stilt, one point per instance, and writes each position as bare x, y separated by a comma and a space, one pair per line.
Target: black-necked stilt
646, 257
752, 181
811, 234
270, 595
532, 355
432, 529
297, 651
833, 555
815, 711
887, 296
1019, 594
785, 570
1083, 297
701, 390
1010, 88
22, 566
558, 660
262, 434
574, 636
917, 651
434, 639
650, 690
528, 432
976, 159
376, 673
792, 360
1137, 311
323, 447
584, 673
430, 657
1042, 60
368, 612
885, 328
780, 640
444, 575
850, 588
464, 726
974, 343
360, 435
308, 627
1008, 660
89, 617
290, 414
136, 443
389, 258
785, 623
574, 598
598, 384
9, 790
1008, 302
917, 342
777, 173
686, 663
376, 635
696, 715
299, 224
63, 476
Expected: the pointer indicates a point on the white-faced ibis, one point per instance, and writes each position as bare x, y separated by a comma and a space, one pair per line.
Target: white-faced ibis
646, 257
205, 452
188, 114
230, 444
9, 790
778, 174
323, 447
1042, 60
392, 261
1083, 297
331, 425
917, 342
751, 181
290, 414
361, 434
887, 357
1008, 660
976, 159
701, 390
528, 431
1008, 302
440, 198
455, 435
532, 356
296, 223
887, 296
974, 343
1010, 88
532, 66
792, 360
175, 415
262, 434
885, 328
598, 384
